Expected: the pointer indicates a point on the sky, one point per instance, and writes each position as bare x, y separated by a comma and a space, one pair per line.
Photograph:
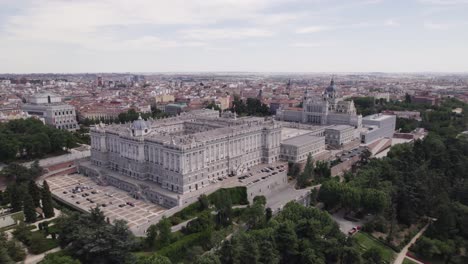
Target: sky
77, 36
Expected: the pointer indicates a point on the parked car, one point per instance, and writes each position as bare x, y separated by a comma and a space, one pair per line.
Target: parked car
354, 230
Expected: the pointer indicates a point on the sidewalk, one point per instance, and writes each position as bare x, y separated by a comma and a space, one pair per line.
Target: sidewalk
33, 259
401, 256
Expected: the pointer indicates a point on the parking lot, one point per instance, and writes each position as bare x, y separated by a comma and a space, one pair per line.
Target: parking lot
81, 192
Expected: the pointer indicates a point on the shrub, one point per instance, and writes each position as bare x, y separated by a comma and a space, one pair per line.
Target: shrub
368, 227
176, 251
238, 195
175, 220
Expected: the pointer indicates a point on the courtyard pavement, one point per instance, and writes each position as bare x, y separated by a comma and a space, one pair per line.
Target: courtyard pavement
112, 201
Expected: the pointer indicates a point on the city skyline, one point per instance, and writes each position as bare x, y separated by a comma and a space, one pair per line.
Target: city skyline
233, 36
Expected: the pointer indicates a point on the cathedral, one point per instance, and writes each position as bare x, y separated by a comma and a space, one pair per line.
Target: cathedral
327, 109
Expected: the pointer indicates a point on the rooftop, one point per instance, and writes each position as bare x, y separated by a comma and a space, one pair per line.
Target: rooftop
339, 127
301, 140
377, 117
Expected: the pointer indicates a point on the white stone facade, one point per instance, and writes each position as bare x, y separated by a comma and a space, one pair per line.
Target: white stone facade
329, 109
377, 126
297, 149
339, 135
53, 111
164, 159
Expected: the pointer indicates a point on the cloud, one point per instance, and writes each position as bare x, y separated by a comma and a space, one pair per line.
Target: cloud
444, 2
391, 23
313, 29
108, 23
306, 45
225, 33
445, 25
436, 26
321, 28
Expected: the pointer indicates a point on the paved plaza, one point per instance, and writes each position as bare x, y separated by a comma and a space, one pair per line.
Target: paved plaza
115, 203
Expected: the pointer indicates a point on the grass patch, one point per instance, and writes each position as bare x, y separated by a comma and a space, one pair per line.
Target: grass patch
408, 261
238, 196
366, 241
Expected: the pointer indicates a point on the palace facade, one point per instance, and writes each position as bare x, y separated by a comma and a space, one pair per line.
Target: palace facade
162, 160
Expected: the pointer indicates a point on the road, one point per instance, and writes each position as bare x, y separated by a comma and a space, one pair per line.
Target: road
346, 225
401, 256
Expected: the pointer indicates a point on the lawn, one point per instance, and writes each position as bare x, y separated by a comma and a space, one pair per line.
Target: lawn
408, 261
366, 241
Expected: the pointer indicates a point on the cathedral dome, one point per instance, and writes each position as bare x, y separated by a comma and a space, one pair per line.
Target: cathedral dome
332, 87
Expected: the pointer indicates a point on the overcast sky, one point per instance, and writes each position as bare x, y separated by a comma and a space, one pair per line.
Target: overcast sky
233, 35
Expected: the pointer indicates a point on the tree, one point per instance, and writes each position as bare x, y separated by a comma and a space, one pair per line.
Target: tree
328, 193
92, 240
35, 193
4, 257
201, 223
374, 201
15, 250
35, 170
407, 98
268, 253
248, 252
307, 175
364, 156
351, 256
60, 258
204, 202
164, 232
10, 251
23, 233
260, 199
151, 235
286, 240
223, 205
9, 147
14, 197
322, 171
208, 258
350, 198
373, 255
29, 209
293, 169
309, 256
154, 259
254, 215
228, 251
268, 214
47, 206
213, 106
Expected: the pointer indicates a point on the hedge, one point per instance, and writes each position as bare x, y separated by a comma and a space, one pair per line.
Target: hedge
177, 250
238, 197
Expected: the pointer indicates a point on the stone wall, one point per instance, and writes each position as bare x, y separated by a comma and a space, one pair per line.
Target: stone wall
339, 169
